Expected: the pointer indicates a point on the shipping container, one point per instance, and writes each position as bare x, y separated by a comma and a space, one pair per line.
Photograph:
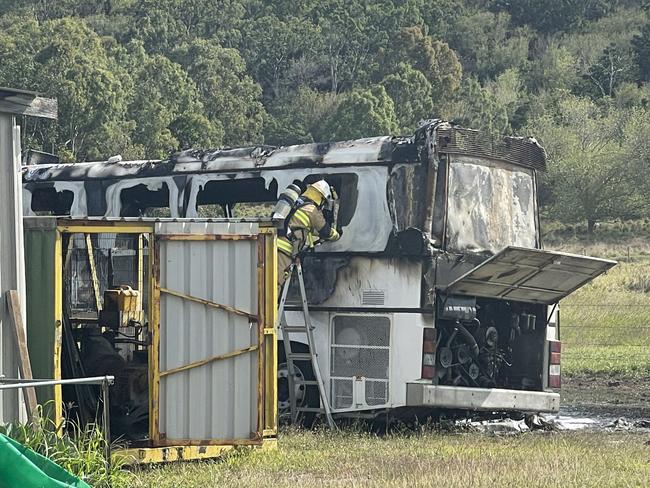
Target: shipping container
181, 312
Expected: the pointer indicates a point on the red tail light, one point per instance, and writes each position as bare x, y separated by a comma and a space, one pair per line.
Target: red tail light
554, 369
429, 353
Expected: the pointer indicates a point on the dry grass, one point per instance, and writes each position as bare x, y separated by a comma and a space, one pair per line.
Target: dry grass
427, 459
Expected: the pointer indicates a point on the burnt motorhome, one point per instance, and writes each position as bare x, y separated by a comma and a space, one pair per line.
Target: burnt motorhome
438, 293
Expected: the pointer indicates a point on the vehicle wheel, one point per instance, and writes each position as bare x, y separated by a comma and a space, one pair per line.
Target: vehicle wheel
306, 396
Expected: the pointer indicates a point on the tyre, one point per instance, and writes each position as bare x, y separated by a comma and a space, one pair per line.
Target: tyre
306, 395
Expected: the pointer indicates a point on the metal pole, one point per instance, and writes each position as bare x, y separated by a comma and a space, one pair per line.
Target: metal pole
106, 424
14, 383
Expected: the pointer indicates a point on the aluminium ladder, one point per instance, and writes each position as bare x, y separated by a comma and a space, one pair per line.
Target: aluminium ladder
291, 356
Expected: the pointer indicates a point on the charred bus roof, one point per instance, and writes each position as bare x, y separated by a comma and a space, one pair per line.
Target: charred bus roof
385, 150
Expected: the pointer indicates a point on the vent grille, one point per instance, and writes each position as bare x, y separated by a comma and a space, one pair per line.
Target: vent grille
342, 393
376, 392
516, 150
360, 347
373, 297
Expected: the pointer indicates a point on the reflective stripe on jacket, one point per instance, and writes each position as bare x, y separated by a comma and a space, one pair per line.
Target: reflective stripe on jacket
307, 225
285, 246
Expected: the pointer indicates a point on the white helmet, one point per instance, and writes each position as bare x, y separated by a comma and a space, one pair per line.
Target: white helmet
323, 187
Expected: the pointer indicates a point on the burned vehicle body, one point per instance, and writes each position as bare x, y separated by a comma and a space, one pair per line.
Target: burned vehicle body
437, 293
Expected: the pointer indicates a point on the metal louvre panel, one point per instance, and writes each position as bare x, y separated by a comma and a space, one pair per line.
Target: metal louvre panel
360, 348
373, 297
522, 151
217, 400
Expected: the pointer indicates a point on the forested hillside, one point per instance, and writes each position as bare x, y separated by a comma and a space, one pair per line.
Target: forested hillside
143, 78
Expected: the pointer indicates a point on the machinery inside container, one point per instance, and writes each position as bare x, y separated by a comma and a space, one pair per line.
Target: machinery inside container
105, 329
490, 343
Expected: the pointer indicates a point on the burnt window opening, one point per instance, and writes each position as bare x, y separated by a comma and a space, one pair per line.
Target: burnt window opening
49, 201
346, 186
252, 209
140, 201
240, 198
211, 211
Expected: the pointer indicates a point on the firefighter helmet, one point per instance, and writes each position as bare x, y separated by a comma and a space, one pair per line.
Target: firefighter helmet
320, 193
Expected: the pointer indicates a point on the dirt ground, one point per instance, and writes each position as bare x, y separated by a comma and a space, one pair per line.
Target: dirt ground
606, 395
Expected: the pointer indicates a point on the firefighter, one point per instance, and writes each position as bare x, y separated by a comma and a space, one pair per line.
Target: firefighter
306, 226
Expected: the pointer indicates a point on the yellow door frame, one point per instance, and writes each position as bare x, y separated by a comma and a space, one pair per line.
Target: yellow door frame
267, 311
81, 227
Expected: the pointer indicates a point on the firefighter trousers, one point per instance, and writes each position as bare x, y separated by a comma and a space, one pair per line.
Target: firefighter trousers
284, 263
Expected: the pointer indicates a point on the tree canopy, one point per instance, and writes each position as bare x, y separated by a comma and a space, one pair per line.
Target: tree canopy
144, 78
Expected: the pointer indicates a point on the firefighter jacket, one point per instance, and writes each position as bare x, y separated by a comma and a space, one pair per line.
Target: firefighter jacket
307, 225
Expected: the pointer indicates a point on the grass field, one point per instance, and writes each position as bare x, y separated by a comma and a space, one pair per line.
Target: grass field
605, 326
424, 459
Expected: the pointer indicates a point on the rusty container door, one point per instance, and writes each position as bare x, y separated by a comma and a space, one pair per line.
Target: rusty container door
209, 346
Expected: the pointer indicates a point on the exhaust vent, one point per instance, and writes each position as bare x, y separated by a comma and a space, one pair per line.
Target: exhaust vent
373, 297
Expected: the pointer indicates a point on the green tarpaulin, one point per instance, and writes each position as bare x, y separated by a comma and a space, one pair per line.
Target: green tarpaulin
20, 467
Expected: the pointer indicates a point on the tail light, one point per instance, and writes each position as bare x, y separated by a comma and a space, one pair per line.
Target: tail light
554, 370
429, 353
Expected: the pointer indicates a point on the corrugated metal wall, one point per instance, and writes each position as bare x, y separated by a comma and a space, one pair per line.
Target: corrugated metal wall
12, 273
217, 400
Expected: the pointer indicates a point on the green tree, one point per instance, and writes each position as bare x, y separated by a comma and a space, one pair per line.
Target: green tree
65, 59
614, 67
487, 44
362, 113
597, 158
604, 54
553, 68
435, 59
230, 97
548, 16
348, 36
168, 112
477, 107
50, 10
163, 25
641, 46
631, 95
298, 117
271, 46
507, 93
412, 95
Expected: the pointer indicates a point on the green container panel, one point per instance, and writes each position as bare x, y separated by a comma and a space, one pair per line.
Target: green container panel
40, 259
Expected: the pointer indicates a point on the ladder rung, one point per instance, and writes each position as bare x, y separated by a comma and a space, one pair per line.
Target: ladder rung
300, 356
294, 328
310, 409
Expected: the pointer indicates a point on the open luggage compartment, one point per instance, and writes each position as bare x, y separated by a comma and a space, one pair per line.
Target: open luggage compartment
496, 336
